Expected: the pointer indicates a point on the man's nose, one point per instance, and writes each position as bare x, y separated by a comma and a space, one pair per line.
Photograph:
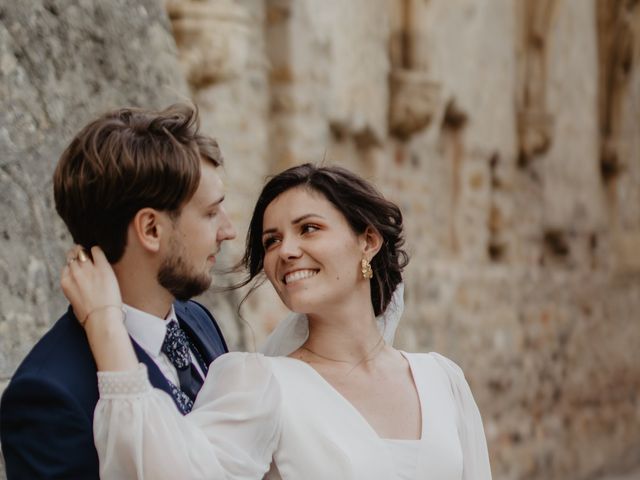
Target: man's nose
227, 230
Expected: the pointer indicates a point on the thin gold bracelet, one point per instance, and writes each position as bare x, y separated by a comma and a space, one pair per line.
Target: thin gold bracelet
119, 307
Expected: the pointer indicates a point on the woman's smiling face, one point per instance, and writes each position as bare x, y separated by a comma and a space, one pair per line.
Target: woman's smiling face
312, 256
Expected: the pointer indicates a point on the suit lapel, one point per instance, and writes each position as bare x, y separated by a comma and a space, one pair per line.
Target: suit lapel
203, 335
156, 377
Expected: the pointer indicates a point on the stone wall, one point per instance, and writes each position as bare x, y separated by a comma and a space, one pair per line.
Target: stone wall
506, 131
61, 63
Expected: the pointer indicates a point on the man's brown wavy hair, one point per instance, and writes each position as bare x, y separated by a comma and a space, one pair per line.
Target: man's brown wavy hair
126, 160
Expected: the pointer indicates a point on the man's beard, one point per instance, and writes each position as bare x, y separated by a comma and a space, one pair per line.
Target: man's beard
179, 278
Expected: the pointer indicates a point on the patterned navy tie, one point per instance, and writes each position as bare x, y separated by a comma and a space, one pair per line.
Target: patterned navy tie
176, 348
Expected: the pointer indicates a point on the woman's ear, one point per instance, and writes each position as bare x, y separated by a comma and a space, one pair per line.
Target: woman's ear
372, 242
148, 226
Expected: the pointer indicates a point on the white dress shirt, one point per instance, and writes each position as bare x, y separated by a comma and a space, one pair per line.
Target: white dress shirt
149, 331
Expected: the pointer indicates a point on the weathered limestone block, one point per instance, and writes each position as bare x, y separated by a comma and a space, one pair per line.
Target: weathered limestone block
535, 133
535, 123
298, 54
619, 101
558, 190
473, 56
337, 59
212, 38
409, 174
572, 188
359, 67
627, 251
502, 214
414, 100
473, 209
618, 46
414, 93
61, 63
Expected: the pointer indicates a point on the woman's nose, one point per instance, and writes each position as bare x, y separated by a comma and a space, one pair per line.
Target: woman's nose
290, 248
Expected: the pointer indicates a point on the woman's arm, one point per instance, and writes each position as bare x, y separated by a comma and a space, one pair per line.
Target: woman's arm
92, 289
475, 455
231, 433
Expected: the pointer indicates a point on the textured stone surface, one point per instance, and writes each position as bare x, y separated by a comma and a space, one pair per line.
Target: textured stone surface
61, 62
631, 475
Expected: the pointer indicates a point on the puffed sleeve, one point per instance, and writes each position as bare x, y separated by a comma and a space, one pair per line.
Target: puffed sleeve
231, 432
470, 430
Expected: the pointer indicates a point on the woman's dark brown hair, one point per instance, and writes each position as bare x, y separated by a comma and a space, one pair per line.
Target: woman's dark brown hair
360, 203
124, 161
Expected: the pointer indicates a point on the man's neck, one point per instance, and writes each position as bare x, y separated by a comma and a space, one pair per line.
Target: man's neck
144, 293
155, 306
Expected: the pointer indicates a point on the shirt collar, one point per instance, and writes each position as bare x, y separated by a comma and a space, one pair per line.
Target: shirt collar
146, 329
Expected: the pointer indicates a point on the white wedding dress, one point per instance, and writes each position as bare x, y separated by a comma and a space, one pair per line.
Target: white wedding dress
258, 414
276, 417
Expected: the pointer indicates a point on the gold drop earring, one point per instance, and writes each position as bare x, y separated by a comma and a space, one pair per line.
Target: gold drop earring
365, 268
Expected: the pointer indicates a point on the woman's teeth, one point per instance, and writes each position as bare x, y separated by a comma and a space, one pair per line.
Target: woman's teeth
298, 275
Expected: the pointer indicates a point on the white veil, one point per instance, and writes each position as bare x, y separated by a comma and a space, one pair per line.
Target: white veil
293, 331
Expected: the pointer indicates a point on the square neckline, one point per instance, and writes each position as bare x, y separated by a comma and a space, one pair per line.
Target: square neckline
360, 415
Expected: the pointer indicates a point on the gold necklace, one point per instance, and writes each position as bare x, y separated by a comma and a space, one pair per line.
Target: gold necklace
367, 358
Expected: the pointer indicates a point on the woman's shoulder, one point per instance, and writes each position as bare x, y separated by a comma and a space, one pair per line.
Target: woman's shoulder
245, 364
240, 357
243, 374
258, 363
449, 367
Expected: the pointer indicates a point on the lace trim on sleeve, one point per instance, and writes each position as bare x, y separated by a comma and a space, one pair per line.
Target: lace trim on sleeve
124, 384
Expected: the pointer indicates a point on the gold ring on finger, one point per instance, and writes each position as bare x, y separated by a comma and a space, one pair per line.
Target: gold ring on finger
82, 257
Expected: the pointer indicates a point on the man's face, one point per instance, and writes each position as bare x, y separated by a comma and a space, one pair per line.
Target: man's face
198, 232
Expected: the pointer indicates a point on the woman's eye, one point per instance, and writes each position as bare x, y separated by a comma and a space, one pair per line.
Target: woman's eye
308, 228
268, 242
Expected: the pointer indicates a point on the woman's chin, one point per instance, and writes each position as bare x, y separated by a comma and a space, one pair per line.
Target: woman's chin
299, 307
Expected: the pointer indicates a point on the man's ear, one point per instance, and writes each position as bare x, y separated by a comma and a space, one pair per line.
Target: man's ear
371, 242
149, 225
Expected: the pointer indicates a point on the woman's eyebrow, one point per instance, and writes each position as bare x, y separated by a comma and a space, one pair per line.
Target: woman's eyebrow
294, 221
304, 217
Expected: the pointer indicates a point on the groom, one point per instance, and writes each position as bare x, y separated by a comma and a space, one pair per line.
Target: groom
144, 186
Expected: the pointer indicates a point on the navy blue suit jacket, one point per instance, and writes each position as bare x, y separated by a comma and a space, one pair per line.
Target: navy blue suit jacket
46, 412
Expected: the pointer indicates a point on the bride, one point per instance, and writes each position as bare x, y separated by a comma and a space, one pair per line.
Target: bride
344, 404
